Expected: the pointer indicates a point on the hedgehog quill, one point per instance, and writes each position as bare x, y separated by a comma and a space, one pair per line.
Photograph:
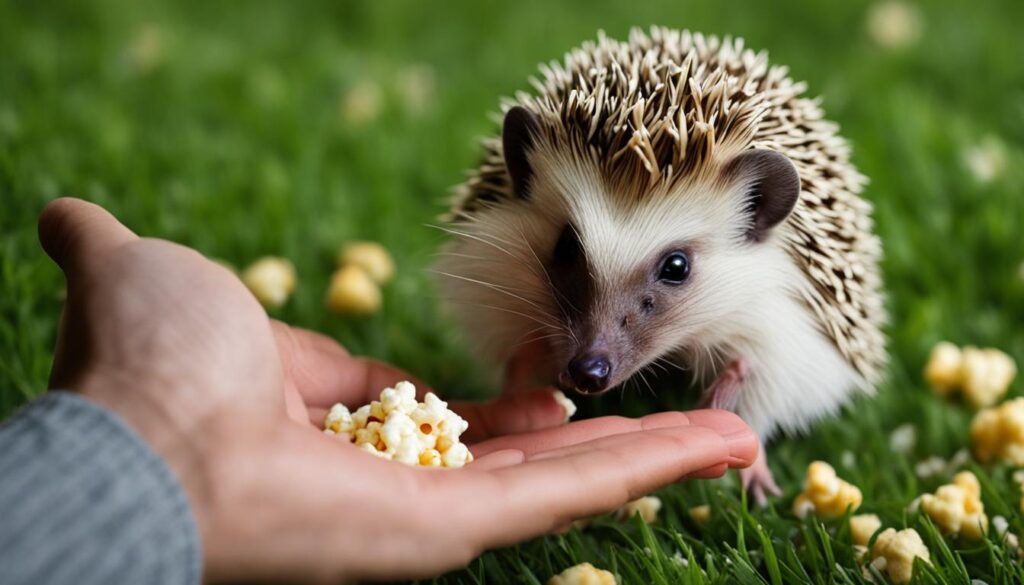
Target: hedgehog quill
673, 198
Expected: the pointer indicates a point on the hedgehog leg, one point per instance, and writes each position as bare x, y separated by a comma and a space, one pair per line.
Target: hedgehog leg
724, 391
758, 480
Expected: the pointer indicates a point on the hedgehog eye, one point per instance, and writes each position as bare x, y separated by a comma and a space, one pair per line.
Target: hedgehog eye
675, 268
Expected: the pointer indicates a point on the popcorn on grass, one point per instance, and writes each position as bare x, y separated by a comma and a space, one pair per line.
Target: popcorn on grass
982, 375
399, 428
700, 514
862, 527
373, 258
894, 552
825, 493
583, 574
353, 291
271, 280
998, 433
956, 507
647, 506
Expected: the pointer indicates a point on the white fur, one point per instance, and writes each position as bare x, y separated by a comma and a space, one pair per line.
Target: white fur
743, 299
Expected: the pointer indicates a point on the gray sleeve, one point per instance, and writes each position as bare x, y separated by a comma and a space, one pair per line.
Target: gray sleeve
83, 499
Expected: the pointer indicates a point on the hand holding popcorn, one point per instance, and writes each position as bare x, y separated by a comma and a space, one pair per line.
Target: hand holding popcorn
399, 428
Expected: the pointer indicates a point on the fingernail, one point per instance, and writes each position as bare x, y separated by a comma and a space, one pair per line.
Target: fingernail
737, 440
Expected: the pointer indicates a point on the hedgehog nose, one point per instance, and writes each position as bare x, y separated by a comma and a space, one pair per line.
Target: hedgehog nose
590, 372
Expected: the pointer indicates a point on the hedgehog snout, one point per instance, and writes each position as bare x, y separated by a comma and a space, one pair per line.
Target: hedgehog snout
590, 372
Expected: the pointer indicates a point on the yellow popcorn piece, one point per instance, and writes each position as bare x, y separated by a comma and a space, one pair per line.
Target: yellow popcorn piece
956, 508
825, 493
700, 514
982, 375
373, 258
862, 527
986, 374
393, 428
998, 433
647, 507
271, 280
353, 291
943, 370
894, 552
583, 574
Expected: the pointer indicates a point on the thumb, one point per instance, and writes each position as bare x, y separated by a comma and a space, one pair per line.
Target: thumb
75, 233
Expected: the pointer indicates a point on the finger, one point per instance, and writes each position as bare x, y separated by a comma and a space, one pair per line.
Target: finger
499, 459
75, 233
538, 496
579, 432
324, 373
509, 414
712, 472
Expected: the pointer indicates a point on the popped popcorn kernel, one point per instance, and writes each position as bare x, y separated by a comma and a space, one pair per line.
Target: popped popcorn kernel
956, 508
391, 428
943, 370
826, 494
987, 374
894, 552
372, 257
982, 375
647, 507
894, 24
862, 526
568, 405
353, 291
998, 433
271, 280
583, 574
700, 514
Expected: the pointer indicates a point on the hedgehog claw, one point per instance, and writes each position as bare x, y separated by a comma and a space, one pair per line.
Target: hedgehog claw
758, 480
724, 392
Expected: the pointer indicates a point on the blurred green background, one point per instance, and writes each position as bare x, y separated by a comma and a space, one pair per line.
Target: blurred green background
251, 128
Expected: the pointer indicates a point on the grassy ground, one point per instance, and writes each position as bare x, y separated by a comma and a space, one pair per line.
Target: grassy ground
225, 126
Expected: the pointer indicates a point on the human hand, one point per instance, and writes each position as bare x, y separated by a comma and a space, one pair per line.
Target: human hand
178, 348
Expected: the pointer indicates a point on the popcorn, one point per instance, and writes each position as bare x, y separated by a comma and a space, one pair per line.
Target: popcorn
567, 405
352, 290
894, 552
825, 494
987, 374
956, 507
647, 507
373, 258
942, 372
862, 526
982, 375
903, 439
583, 574
700, 514
271, 280
894, 24
399, 428
1002, 528
998, 433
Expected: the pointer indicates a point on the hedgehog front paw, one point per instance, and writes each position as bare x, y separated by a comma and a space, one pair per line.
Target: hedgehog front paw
758, 480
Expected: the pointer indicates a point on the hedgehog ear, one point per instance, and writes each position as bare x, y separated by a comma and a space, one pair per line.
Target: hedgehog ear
517, 137
772, 188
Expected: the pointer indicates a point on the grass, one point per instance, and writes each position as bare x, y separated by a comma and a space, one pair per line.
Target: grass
222, 126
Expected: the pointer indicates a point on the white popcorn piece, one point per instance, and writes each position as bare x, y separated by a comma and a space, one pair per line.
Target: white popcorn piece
373, 258
568, 405
271, 280
399, 428
583, 574
894, 24
700, 514
903, 439
998, 433
827, 495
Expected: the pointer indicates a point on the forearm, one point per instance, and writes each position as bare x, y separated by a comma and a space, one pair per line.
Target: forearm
84, 500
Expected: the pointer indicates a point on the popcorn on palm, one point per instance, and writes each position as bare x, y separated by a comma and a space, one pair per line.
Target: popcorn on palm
399, 428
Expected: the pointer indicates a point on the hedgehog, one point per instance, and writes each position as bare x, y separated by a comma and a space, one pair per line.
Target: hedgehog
673, 199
